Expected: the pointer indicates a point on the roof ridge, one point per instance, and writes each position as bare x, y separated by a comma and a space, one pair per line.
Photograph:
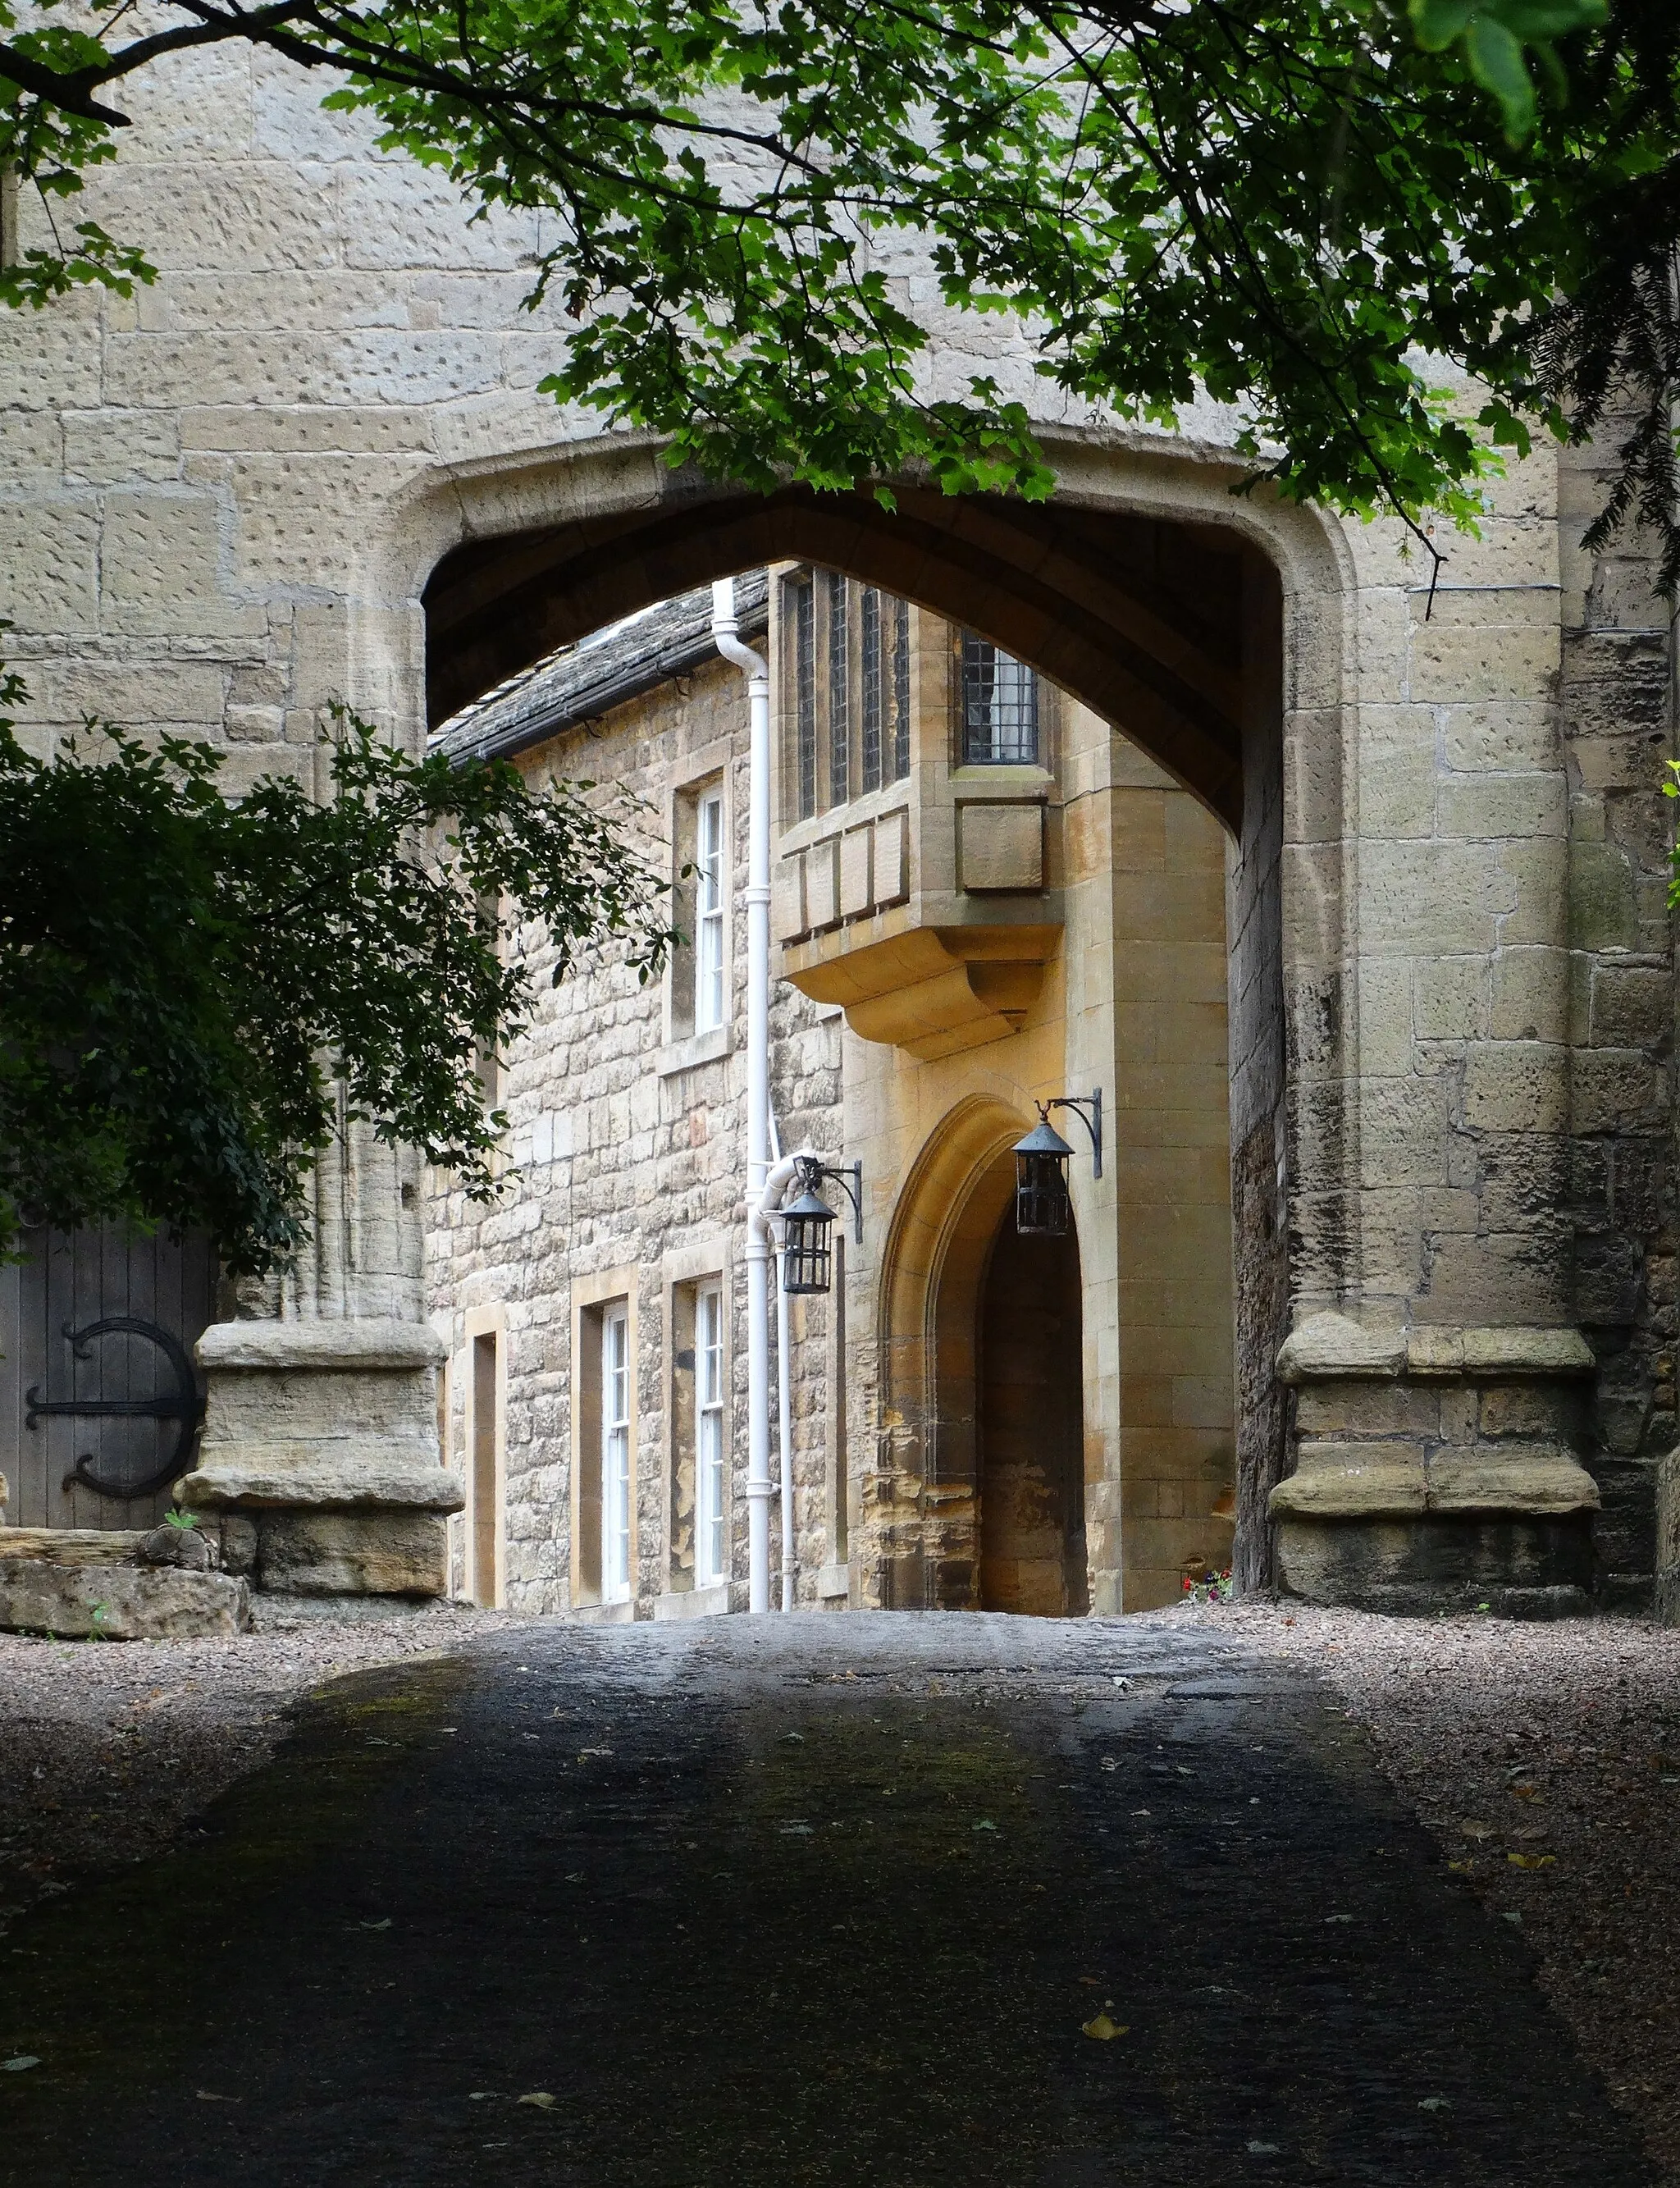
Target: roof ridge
580, 681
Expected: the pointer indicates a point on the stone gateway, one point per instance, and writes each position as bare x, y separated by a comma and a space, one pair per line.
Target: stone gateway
1346, 890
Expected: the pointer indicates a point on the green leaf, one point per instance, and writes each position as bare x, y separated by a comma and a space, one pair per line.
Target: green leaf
1499, 63
174, 969
1436, 23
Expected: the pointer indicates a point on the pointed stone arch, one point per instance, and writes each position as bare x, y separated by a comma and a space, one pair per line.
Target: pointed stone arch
1142, 617
1212, 630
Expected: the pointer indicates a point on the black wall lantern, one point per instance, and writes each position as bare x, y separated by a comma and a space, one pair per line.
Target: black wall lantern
808, 1255
1043, 1207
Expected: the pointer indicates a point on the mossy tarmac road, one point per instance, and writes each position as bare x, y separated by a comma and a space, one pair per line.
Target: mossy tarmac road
821, 1900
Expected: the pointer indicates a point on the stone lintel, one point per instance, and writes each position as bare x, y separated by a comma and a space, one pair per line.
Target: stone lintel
1334, 1348
322, 1485
332, 1346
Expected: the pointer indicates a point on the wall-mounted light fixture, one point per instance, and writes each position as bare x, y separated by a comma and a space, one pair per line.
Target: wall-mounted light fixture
1043, 1205
807, 1255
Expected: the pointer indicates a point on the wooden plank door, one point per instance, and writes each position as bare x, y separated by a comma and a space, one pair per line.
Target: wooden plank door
69, 1466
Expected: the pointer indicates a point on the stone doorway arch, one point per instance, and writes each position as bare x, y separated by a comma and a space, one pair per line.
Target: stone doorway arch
982, 1452
926, 1516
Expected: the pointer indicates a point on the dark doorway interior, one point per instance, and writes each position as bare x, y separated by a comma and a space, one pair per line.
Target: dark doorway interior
1032, 1428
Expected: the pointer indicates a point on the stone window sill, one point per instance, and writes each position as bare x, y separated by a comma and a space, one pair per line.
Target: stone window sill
694, 1050
693, 1603
605, 1614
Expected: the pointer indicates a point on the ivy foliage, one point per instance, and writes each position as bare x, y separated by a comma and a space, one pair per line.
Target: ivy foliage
196, 996
1304, 208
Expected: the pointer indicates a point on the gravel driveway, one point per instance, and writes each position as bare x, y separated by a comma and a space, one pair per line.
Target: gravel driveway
1558, 1745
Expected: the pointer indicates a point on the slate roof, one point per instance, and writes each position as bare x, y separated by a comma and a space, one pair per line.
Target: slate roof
581, 682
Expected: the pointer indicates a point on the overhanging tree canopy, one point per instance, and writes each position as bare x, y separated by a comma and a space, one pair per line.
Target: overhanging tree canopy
1295, 204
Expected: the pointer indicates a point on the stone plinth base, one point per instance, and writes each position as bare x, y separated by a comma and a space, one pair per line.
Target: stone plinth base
320, 1462
1668, 1591
1439, 1469
1516, 1568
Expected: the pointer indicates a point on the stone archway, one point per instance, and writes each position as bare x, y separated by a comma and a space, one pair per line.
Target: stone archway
1146, 592
1197, 624
1151, 622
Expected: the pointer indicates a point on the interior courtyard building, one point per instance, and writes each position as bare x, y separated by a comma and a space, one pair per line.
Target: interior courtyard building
1344, 882
982, 898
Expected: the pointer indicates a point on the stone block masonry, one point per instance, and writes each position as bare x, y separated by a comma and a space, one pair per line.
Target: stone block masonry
237, 496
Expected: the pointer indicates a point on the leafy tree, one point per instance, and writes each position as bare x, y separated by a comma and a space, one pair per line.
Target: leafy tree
1295, 204
174, 969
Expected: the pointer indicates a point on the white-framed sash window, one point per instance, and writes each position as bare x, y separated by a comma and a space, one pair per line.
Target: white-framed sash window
615, 1454
709, 938
711, 1444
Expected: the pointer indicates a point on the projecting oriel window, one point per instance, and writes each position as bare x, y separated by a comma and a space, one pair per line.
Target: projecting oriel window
999, 707
615, 1454
708, 913
711, 1453
846, 692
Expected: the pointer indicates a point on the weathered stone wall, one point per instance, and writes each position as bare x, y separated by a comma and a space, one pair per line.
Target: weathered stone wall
627, 1152
220, 501
1259, 1078
1513, 1031
1616, 700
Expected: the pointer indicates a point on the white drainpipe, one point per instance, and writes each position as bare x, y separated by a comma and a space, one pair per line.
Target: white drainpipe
776, 1182
784, 1389
785, 1434
759, 1489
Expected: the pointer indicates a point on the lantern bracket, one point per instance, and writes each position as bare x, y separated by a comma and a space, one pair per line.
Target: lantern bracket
1079, 1103
848, 1176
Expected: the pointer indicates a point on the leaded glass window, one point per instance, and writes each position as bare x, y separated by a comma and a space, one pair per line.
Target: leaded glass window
999, 707
873, 692
839, 694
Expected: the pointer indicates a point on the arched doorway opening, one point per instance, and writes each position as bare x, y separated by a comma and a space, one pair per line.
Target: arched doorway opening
1167, 610
983, 1349
1031, 1428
